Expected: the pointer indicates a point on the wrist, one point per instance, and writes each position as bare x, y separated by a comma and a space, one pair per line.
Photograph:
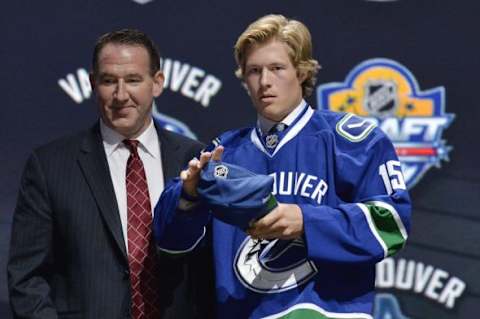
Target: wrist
187, 201
190, 196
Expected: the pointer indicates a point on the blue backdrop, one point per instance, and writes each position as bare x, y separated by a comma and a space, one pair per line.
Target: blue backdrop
415, 61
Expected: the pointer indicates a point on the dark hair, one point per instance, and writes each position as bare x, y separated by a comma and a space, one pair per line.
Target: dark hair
128, 37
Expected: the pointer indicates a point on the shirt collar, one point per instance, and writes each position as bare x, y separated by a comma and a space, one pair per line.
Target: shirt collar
265, 124
112, 140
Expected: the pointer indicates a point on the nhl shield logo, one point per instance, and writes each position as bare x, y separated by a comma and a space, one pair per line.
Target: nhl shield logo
271, 141
387, 94
381, 97
221, 171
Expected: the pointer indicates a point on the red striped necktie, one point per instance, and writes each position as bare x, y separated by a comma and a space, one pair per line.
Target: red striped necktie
141, 249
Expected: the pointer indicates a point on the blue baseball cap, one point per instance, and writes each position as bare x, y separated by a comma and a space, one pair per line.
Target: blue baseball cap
234, 194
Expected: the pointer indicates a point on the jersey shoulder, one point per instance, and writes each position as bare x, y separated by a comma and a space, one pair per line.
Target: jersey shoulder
231, 139
350, 133
350, 128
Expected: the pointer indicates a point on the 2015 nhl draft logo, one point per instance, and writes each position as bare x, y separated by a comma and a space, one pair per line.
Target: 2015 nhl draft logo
386, 93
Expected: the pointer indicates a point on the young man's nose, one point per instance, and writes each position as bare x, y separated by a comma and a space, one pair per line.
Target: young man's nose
265, 77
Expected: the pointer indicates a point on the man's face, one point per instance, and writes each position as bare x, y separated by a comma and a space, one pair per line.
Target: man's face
125, 88
271, 80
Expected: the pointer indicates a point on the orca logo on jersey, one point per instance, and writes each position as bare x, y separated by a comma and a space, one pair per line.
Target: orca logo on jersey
273, 266
353, 128
387, 94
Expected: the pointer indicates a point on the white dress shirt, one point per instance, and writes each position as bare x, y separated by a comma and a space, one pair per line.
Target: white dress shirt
117, 156
265, 124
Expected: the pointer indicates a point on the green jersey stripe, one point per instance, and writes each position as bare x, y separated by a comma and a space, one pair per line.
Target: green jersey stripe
386, 225
312, 311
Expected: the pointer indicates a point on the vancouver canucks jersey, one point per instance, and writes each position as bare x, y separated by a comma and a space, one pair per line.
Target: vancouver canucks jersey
345, 176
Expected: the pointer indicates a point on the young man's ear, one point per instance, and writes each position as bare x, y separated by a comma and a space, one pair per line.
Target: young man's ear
302, 75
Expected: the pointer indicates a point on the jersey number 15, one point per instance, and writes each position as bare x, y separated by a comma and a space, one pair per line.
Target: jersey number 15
392, 176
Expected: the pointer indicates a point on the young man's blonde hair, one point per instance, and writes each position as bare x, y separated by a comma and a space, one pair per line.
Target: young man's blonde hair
291, 32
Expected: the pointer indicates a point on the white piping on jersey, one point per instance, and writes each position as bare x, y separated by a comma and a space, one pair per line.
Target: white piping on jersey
395, 214
290, 135
328, 314
170, 251
373, 229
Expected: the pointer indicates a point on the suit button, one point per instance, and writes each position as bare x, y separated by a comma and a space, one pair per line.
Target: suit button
126, 274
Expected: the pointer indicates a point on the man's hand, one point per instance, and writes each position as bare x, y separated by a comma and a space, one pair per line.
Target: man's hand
284, 222
191, 175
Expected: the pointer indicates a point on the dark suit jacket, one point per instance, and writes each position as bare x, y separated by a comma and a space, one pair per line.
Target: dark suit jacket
67, 252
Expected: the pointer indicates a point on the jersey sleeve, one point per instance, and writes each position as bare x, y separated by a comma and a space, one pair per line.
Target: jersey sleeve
176, 230
372, 218
179, 225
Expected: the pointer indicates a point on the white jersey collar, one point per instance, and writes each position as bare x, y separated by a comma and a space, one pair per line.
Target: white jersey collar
293, 131
265, 124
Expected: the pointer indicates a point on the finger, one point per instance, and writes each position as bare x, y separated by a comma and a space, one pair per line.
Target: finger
217, 153
191, 170
193, 165
282, 228
262, 232
265, 234
268, 220
278, 230
185, 175
204, 158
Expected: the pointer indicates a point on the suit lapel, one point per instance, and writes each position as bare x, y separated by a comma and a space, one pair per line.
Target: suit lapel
94, 165
93, 162
171, 159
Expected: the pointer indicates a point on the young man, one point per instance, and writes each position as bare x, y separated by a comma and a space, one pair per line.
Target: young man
78, 248
343, 204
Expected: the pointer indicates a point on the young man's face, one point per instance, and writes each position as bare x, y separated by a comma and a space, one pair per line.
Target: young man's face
271, 80
125, 88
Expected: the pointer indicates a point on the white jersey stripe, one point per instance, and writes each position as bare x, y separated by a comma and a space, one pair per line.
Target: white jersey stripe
290, 135
373, 229
323, 312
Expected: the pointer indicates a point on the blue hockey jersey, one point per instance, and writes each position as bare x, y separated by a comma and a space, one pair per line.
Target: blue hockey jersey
344, 174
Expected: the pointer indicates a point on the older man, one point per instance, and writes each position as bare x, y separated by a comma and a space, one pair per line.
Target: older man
81, 242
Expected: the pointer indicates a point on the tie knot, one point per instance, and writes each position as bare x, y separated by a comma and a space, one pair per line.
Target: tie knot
132, 145
279, 127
